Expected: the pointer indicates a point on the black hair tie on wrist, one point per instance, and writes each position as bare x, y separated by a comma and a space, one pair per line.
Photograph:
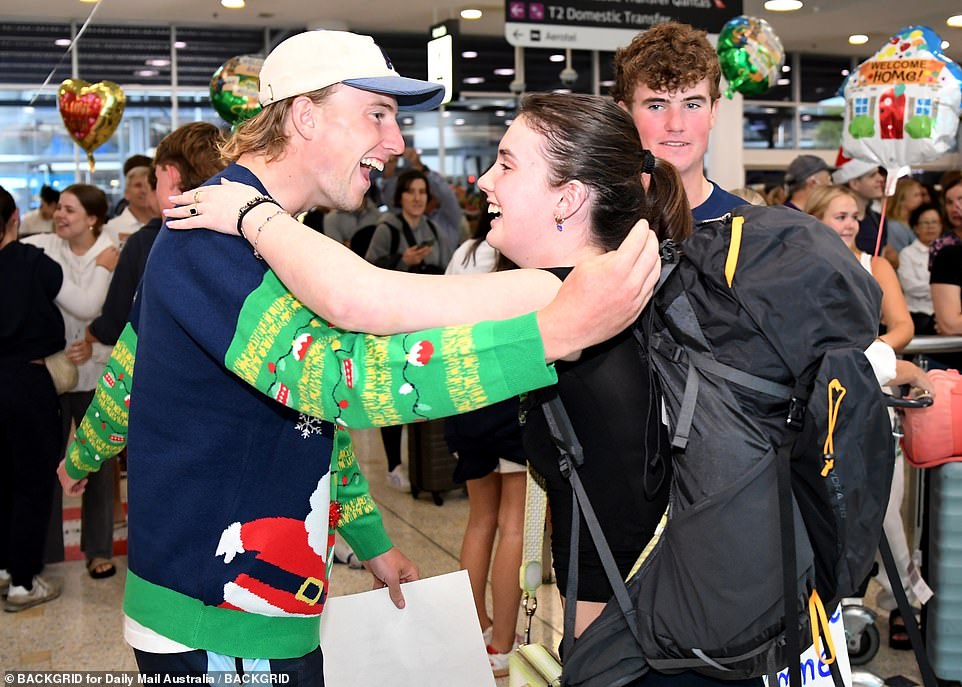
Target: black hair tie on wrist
647, 161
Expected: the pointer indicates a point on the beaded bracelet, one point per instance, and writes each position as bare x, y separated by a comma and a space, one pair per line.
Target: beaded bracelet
257, 236
247, 207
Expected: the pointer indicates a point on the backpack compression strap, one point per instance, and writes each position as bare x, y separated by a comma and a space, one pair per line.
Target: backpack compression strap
699, 361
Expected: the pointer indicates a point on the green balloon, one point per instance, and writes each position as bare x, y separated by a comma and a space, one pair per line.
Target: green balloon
750, 54
233, 88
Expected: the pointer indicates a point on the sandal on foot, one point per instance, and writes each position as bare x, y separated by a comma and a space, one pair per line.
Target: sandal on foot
101, 568
898, 635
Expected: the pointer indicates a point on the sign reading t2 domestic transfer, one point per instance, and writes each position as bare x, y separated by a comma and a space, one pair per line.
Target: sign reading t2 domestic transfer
605, 24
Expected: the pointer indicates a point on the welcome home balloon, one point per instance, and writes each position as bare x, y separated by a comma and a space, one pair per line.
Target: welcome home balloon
902, 105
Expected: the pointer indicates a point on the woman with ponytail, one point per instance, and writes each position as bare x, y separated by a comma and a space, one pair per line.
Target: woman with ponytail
570, 181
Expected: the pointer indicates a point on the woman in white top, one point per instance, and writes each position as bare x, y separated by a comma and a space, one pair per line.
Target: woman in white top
491, 462
87, 258
837, 208
926, 222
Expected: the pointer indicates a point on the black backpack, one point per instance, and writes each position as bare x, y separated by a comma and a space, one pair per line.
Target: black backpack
782, 454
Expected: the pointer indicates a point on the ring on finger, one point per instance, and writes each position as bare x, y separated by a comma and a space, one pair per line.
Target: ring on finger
193, 210
196, 197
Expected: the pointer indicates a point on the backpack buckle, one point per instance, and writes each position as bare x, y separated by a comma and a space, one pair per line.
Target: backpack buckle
668, 252
566, 463
796, 413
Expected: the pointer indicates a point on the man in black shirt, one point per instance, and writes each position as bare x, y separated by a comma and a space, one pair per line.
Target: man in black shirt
185, 158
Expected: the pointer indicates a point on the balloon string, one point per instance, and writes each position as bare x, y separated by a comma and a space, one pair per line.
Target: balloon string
881, 223
66, 52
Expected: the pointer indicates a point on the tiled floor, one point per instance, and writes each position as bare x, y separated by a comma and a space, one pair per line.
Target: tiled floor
82, 629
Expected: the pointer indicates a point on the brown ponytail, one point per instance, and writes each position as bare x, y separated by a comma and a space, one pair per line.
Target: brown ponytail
668, 213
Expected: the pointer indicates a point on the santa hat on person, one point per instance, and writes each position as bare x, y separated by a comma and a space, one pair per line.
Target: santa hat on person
847, 168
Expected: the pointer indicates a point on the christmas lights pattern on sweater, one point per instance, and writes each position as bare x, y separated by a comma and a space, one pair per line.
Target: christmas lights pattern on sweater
418, 353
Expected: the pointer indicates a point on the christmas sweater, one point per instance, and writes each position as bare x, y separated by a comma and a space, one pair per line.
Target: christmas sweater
234, 484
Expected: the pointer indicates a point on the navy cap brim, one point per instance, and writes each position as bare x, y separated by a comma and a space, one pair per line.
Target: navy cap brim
411, 94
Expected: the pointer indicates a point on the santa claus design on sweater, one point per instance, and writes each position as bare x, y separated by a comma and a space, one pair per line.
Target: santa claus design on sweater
284, 573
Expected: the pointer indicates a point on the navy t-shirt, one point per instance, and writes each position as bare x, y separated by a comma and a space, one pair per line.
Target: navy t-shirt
716, 204
867, 235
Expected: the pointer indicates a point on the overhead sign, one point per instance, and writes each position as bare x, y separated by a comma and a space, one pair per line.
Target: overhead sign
442, 67
605, 24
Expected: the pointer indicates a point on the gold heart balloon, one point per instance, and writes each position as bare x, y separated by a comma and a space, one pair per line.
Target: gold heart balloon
91, 112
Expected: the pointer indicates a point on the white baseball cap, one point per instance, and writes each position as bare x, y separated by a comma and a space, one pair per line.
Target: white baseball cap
314, 60
847, 168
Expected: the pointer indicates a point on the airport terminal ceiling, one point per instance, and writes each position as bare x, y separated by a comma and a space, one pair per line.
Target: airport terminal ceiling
128, 32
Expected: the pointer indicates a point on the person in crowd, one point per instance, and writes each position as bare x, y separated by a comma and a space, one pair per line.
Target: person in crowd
946, 288
566, 188
407, 240
909, 194
838, 207
491, 461
865, 181
30, 330
749, 195
805, 173
668, 79
40, 221
913, 272
88, 258
140, 209
952, 207
444, 208
185, 158
136, 160
243, 574
341, 225
775, 194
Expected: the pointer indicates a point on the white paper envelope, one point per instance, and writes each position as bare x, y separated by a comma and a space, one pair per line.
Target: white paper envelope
434, 640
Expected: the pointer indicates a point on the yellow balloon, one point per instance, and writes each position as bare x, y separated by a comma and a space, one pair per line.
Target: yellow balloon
90, 112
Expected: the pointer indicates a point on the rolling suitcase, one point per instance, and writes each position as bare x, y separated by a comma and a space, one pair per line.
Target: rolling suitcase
943, 624
430, 464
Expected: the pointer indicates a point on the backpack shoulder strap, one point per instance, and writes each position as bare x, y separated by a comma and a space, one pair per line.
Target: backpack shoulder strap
572, 456
396, 236
434, 229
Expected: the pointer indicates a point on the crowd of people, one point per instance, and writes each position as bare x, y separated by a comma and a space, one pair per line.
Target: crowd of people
560, 265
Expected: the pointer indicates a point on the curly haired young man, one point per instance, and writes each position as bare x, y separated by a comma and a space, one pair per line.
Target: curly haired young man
667, 78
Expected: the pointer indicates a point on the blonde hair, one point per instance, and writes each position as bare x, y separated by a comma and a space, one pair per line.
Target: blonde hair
266, 132
822, 196
749, 195
895, 205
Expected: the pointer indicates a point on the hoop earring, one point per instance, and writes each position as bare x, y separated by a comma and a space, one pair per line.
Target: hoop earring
559, 223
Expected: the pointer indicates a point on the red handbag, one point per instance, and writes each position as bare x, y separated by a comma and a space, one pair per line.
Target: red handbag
933, 435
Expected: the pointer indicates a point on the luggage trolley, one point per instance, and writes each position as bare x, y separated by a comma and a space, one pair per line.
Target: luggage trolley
938, 518
861, 631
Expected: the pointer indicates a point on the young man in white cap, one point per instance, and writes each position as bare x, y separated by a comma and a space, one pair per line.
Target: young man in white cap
235, 486
802, 176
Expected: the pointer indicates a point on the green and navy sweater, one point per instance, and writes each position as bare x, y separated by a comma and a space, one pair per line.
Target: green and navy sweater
234, 484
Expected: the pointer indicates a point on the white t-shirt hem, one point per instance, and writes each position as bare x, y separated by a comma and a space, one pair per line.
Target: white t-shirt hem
144, 639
